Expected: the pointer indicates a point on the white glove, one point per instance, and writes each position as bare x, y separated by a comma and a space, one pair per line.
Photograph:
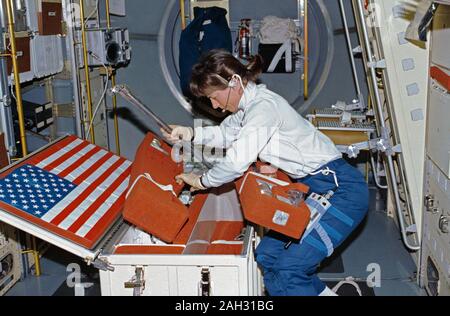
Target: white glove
179, 133
192, 179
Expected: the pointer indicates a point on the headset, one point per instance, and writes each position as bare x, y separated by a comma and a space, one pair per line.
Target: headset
234, 80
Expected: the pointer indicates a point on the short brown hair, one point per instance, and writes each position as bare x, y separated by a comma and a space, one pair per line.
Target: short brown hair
216, 68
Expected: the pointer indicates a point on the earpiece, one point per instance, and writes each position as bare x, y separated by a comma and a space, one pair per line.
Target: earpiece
232, 83
235, 79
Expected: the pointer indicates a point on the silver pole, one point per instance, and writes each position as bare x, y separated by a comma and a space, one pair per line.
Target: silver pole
127, 95
123, 91
6, 121
382, 122
350, 49
71, 51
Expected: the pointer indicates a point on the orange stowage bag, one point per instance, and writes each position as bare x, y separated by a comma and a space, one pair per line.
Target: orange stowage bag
147, 205
266, 201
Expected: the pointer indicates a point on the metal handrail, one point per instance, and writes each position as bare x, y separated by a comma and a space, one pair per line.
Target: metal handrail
305, 51
349, 44
381, 121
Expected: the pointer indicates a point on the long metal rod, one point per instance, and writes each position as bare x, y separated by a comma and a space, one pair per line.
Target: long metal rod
15, 64
71, 48
123, 91
350, 49
306, 52
86, 70
127, 95
113, 83
382, 122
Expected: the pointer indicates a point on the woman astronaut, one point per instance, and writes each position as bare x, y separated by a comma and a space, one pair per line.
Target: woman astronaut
263, 125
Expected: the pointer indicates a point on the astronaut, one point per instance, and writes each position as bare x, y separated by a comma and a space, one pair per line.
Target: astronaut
263, 125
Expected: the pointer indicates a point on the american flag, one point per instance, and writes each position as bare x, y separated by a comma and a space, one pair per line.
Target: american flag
73, 188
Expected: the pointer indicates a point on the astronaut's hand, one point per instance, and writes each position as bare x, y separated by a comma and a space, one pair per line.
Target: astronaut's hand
179, 133
191, 179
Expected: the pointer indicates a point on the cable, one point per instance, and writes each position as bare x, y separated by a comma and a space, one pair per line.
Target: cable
102, 97
92, 13
11, 88
97, 108
374, 171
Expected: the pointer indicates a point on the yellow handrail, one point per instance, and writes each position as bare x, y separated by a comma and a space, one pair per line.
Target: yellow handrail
183, 15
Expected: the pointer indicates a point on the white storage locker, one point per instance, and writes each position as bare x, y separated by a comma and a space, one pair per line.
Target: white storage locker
193, 272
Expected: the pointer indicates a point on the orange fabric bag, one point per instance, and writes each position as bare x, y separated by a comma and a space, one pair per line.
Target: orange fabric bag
267, 202
147, 205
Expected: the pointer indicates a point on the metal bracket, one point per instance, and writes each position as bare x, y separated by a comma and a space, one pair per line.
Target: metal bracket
356, 105
137, 282
357, 49
382, 144
379, 64
6, 100
353, 150
412, 229
101, 264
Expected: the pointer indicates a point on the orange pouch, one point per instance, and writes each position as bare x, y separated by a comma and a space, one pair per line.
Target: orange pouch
266, 201
148, 205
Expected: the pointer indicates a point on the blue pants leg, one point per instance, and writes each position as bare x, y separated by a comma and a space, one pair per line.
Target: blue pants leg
289, 271
292, 271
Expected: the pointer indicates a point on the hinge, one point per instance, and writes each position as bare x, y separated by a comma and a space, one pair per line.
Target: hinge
101, 264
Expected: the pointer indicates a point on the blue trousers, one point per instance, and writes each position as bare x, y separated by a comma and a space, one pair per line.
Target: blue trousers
293, 271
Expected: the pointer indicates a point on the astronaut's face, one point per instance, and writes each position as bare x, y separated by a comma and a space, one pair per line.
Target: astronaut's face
226, 99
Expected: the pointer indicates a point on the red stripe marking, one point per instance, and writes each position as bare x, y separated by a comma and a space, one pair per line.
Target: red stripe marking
440, 76
99, 229
79, 162
93, 186
66, 156
93, 168
101, 199
50, 151
149, 250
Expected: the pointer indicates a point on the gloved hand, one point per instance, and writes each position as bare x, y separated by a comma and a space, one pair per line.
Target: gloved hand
179, 133
192, 179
